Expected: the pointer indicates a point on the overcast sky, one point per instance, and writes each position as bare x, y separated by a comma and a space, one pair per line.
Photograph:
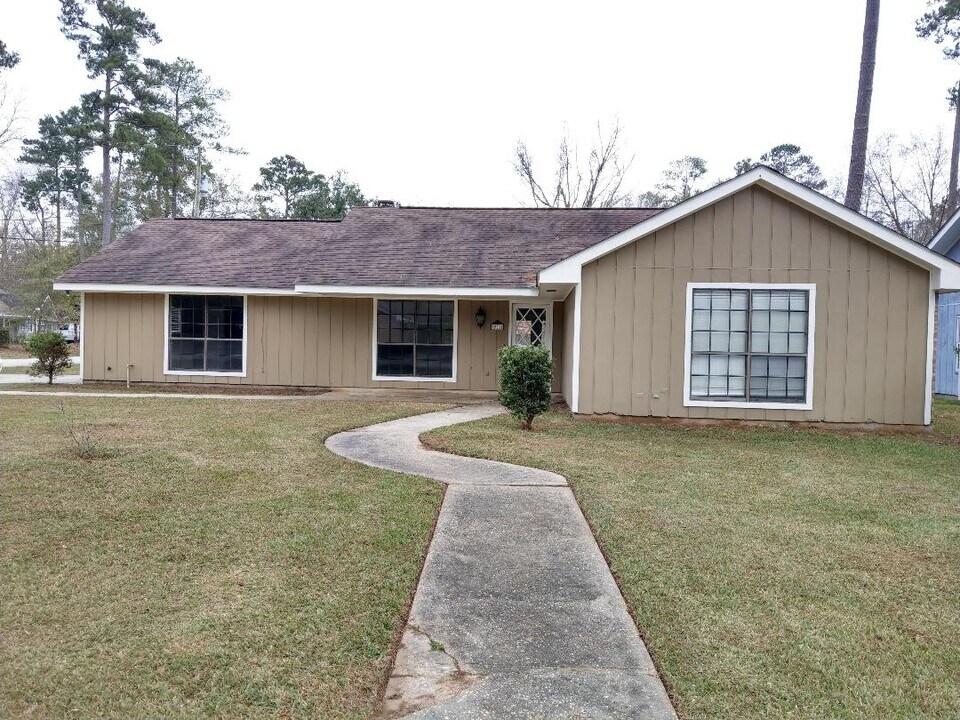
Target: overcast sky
423, 102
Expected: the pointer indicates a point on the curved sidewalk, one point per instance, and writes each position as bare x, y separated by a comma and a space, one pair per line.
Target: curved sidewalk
516, 614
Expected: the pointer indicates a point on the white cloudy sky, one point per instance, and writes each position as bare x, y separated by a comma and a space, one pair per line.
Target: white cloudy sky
422, 102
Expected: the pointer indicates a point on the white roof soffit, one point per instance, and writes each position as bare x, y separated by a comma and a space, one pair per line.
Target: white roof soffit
947, 235
945, 273
414, 292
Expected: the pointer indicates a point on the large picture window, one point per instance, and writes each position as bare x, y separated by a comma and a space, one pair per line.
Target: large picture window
749, 345
415, 339
205, 334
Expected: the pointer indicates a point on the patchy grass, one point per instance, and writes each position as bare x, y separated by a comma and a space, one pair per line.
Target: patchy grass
212, 559
774, 572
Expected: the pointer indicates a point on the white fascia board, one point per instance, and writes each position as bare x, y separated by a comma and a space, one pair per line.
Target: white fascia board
415, 292
945, 272
169, 289
946, 236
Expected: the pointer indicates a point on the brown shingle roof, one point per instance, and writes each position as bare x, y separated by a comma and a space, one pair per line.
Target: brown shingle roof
417, 247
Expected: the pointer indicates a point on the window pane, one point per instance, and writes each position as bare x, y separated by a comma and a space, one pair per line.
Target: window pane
701, 319
225, 355
765, 330
434, 361
419, 341
186, 354
395, 360
206, 333
779, 321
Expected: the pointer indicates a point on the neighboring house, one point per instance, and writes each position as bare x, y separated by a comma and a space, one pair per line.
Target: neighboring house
947, 375
758, 299
17, 324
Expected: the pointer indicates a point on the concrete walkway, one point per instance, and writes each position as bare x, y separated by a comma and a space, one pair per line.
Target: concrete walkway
516, 614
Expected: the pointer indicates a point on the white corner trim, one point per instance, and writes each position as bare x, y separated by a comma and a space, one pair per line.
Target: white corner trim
931, 344
413, 378
205, 373
807, 404
569, 269
575, 368
83, 332
169, 289
414, 292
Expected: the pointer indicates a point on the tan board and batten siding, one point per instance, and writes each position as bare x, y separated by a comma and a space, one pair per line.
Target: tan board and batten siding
871, 313
291, 341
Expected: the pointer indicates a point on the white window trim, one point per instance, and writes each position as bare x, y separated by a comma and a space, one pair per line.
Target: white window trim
414, 378
811, 334
166, 340
548, 305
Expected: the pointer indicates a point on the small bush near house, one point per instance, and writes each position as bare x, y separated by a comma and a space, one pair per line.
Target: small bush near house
52, 354
4, 336
526, 373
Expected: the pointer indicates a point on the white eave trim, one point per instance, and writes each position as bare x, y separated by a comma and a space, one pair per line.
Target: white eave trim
946, 236
414, 292
169, 289
944, 273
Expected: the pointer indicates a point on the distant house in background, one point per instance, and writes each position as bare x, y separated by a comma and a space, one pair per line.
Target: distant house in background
947, 242
16, 323
758, 299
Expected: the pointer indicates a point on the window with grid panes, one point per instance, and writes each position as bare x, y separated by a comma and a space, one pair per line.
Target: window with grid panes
749, 344
205, 333
415, 338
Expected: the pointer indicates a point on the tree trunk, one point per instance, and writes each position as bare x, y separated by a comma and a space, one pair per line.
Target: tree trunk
954, 155
107, 190
59, 201
174, 191
861, 118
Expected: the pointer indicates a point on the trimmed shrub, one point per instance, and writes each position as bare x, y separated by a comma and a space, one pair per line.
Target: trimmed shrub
52, 354
526, 374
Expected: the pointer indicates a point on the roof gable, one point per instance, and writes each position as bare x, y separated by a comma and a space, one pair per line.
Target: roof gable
945, 274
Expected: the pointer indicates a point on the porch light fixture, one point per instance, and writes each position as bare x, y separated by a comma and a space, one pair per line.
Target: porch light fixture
480, 317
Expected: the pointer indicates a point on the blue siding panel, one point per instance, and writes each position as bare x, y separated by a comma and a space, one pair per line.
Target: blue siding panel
948, 315
954, 252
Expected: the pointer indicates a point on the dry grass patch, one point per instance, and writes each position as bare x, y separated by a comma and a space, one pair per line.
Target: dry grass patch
787, 573
212, 559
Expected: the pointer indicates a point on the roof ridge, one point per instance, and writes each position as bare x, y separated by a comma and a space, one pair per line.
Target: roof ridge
457, 207
247, 219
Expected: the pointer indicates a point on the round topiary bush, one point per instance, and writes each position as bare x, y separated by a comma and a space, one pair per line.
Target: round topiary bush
526, 374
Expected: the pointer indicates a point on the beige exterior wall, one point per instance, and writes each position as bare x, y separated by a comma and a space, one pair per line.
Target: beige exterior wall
294, 341
871, 313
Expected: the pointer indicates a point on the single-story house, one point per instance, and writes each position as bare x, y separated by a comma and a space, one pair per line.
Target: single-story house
947, 373
759, 299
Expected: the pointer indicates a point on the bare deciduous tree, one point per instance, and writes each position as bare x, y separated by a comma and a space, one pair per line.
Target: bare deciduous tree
906, 184
9, 117
598, 184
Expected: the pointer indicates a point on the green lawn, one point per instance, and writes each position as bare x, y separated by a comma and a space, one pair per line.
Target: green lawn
212, 560
775, 573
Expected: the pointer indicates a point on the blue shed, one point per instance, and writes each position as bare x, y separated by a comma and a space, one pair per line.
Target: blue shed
947, 372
